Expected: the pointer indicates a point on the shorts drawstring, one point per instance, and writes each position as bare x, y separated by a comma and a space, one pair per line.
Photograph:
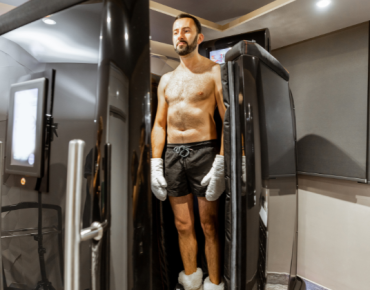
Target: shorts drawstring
183, 150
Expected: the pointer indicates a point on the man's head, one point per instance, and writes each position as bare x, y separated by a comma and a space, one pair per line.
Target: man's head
187, 34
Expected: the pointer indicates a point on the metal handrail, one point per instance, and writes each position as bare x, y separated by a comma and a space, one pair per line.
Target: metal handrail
73, 233
73, 214
95, 231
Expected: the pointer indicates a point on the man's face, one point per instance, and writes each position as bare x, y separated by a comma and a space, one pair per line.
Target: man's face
185, 36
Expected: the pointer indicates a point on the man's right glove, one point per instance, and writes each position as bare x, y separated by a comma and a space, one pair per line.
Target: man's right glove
159, 183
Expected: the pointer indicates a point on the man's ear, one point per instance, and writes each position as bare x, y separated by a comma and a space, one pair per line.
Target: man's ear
200, 38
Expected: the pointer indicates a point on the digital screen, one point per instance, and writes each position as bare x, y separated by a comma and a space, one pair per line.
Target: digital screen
24, 128
218, 56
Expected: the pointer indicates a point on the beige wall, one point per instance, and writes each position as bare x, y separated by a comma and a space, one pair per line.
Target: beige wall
334, 232
159, 65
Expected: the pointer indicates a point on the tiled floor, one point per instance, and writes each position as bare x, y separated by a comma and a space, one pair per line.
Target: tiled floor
276, 287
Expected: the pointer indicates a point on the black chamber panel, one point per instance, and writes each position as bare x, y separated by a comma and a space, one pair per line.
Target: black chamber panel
262, 37
277, 132
258, 126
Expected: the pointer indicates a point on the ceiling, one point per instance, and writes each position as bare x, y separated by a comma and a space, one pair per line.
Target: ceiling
216, 10
74, 38
292, 23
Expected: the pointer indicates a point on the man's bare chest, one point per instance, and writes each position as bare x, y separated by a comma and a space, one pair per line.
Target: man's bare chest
189, 88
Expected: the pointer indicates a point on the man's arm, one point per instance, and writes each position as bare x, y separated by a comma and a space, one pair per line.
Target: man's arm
220, 101
159, 131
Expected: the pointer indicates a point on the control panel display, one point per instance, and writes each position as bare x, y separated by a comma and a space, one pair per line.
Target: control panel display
26, 118
24, 128
218, 56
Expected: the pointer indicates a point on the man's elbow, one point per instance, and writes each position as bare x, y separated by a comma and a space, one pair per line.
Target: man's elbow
161, 124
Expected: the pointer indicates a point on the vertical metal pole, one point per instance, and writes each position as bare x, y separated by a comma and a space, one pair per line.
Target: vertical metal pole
234, 220
73, 215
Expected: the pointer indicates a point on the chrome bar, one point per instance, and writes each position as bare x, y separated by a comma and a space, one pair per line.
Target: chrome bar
73, 214
95, 231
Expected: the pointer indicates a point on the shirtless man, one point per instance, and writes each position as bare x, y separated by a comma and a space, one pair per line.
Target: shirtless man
194, 165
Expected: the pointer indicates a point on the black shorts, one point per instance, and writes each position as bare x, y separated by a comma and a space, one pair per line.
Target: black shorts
187, 164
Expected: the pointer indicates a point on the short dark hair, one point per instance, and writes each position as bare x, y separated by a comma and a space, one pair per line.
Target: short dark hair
196, 21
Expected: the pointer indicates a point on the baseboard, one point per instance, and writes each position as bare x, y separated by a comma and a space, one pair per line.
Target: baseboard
281, 280
277, 278
312, 286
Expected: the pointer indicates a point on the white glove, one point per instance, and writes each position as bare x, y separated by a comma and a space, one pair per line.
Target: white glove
215, 179
159, 183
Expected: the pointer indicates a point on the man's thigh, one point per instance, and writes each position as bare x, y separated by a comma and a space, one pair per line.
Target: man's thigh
208, 210
183, 208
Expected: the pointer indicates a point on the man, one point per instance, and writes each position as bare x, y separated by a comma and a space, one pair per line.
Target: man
194, 165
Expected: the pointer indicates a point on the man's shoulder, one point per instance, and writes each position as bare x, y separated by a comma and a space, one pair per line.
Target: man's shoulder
165, 78
211, 65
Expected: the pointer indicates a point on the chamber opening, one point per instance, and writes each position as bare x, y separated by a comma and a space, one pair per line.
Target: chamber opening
166, 245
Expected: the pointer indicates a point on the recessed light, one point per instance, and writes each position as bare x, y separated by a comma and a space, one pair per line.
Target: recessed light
126, 35
323, 3
109, 19
49, 21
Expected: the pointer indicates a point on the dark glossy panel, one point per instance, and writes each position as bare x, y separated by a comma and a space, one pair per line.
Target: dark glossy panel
250, 107
262, 37
266, 208
125, 47
277, 134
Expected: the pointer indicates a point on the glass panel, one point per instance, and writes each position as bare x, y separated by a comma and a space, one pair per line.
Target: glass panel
67, 42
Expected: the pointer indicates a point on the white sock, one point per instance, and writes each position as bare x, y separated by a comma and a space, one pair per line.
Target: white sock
208, 285
192, 281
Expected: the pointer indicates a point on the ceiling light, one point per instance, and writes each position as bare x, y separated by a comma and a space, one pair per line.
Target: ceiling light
323, 3
126, 35
49, 21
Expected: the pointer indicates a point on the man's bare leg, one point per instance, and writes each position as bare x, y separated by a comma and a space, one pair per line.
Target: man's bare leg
184, 220
208, 211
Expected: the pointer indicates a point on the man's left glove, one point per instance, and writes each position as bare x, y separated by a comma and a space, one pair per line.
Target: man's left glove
159, 183
215, 179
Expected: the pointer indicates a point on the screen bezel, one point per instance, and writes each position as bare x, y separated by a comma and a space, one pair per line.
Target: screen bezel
36, 170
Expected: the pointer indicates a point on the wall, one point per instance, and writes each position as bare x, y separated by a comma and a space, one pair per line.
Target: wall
160, 65
333, 232
329, 83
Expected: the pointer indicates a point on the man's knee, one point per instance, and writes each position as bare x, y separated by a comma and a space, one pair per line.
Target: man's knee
184, 227
210, 229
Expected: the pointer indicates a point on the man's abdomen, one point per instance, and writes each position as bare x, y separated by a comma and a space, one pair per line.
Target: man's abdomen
191, 123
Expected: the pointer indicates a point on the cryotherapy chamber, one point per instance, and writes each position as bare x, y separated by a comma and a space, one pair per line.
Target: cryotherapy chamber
258, 210
74, 146
260, 155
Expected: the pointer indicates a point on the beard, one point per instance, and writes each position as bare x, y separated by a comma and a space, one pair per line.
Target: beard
187, 49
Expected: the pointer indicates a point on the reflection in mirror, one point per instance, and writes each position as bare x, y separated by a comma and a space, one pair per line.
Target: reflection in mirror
70, 47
